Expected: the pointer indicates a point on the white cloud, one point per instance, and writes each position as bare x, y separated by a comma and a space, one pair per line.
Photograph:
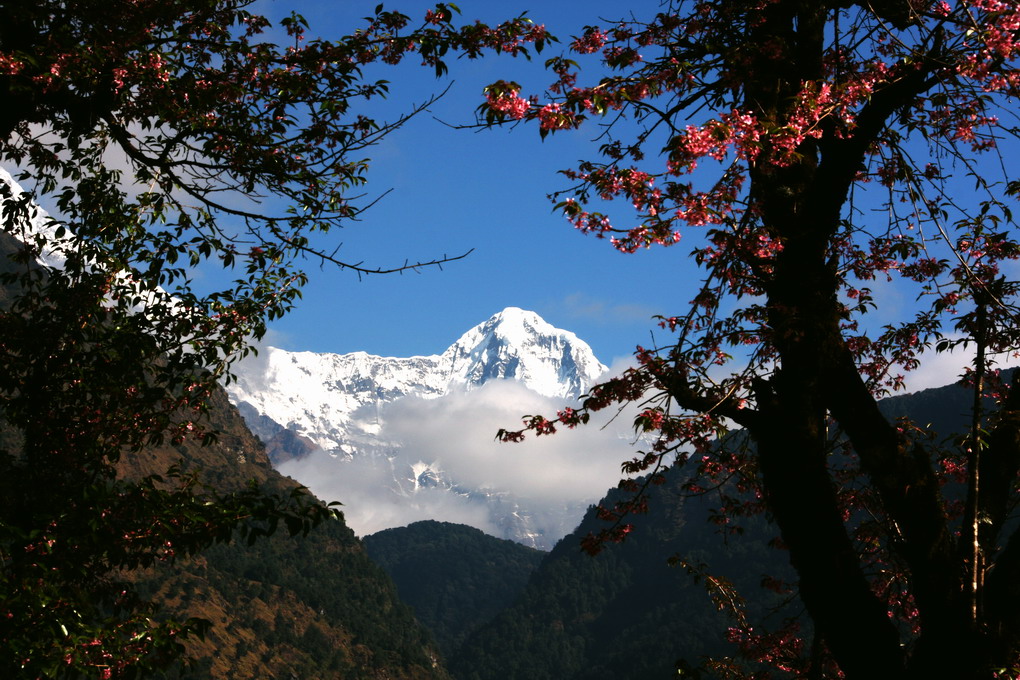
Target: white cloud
460, 430
618, 365
942, 368
552, 478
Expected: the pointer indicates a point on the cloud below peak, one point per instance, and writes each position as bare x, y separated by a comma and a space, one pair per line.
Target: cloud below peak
549, 479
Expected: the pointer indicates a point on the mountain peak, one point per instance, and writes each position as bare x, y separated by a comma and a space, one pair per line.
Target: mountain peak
517, 344
516, 315
512, 326
516, 324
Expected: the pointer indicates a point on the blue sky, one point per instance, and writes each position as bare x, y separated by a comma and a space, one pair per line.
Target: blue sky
451, 191
454, 190
444, 191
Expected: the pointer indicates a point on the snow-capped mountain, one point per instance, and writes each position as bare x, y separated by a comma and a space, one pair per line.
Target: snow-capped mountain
391, 437
333, 400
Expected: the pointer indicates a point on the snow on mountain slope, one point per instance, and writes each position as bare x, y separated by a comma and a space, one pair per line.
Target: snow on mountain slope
39, 223
333, 399
403, 439
521, 346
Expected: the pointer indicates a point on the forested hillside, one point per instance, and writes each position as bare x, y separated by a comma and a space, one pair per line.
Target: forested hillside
625, 613
455, 577
312, 606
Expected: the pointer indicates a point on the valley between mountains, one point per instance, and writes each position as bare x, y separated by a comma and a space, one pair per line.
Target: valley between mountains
497, 609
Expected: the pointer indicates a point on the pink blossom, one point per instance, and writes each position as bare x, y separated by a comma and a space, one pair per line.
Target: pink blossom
591, 41
553, 117
509, 103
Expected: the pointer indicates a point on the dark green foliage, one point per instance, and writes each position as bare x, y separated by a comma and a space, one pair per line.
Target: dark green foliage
456, 578
81, 389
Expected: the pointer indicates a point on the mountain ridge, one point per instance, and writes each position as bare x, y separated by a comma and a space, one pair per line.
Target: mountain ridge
338, 395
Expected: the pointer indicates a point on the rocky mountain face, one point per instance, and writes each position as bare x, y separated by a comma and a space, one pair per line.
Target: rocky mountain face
340, 405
